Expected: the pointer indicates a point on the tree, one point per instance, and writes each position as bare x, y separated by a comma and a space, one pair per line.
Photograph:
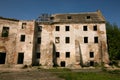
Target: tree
113, 35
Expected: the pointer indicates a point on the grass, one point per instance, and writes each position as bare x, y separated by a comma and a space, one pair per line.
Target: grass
104, 75
68, 74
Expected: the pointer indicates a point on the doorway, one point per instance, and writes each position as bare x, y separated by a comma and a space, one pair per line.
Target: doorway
91, 63
62, 63
2, 57
20, 58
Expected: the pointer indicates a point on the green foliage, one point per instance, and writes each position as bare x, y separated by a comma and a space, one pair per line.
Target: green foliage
113, 35
90, 75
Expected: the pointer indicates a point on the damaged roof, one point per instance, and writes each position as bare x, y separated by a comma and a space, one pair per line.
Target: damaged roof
88, 17
11, 19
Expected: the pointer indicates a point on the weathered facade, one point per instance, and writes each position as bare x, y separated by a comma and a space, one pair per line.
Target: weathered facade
66, 40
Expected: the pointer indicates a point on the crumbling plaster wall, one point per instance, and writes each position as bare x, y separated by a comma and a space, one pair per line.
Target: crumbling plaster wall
46, 48
8, 44
99, 49
62, 47
49, 46
27, 46
12, 45
79, 51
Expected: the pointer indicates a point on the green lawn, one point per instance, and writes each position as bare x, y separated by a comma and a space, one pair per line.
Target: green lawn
103, 75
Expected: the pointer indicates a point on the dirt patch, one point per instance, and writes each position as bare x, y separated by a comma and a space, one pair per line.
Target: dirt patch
27, 75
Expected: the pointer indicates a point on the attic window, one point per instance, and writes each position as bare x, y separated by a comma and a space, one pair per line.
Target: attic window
51, 18
88, 17
69, 17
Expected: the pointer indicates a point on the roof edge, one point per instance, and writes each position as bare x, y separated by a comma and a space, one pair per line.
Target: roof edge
100, 14
11, 19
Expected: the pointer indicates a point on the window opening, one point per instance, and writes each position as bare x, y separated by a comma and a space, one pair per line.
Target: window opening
39, 40
24, 25
85, 28
67, 54
91, 54
57, 28
57, 39
95, 28
5, 32
88, 17
85, 39
69, 17
57, 54
22, 39
67, 28
95, 39
39, 28
38, 55
67, 40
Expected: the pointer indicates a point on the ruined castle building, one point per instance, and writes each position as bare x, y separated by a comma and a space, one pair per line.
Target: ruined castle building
65, 40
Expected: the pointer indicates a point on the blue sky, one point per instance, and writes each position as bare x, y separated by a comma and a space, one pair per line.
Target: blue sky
31, 9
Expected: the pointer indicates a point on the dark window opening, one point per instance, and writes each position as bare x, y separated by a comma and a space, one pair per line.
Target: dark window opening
85, 39
22, 39
62, 63
67, 28
67, 54
39, 28
57, 39
24, 25
85, 28
2, 57
38, 55
88, 17
95, 39
57, 54
91, 63
5, 32
39, 40
69, 17
67, 40
51, 18
95, 28
20, 58
57, 28
91, 54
